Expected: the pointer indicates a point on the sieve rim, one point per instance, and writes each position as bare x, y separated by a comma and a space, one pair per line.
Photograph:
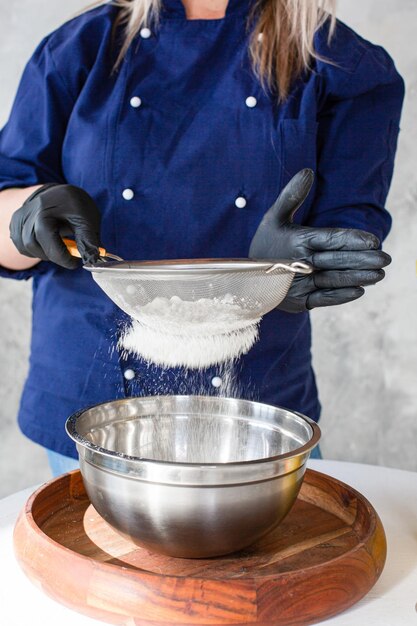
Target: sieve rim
187, 267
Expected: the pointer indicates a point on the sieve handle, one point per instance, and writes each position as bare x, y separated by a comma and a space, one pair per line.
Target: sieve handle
298, 267
73, 250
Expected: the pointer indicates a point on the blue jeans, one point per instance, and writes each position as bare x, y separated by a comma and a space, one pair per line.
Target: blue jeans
316, 453
61, 464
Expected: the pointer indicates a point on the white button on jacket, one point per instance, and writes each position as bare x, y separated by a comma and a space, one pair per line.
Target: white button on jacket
135, 102
240, 202
129, 374
216, 381
128, 194
251, 102
145, 33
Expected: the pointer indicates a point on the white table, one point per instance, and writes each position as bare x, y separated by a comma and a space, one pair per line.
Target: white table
392, 602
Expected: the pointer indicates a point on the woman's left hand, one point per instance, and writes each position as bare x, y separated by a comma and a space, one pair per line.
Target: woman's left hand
345, 260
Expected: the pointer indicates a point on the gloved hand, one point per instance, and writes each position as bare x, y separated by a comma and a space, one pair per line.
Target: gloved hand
50, 213
345, 260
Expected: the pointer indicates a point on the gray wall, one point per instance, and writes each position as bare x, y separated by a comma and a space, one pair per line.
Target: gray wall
365, 352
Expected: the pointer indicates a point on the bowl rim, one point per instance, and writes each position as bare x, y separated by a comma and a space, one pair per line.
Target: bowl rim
70, 427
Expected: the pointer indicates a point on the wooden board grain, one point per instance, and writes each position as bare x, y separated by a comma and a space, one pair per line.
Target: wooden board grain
326, 555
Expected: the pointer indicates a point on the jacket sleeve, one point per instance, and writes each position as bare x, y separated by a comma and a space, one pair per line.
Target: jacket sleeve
31, 141
358, 127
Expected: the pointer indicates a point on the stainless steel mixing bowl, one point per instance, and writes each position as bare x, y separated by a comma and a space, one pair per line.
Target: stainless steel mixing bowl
192, 476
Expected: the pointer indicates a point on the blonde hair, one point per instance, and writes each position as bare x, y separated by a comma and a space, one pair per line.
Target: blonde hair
281, 46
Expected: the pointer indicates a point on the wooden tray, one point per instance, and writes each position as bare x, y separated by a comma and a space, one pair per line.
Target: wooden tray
326, 555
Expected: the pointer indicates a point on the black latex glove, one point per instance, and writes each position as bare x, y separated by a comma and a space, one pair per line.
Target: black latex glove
50, 213
345, 260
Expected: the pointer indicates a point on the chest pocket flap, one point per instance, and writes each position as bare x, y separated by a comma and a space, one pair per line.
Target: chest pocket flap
298, 151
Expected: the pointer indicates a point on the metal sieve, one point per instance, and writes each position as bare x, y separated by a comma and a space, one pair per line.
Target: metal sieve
193, 312
251, 288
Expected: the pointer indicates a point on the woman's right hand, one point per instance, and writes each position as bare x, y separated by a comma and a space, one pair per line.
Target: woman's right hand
50, 213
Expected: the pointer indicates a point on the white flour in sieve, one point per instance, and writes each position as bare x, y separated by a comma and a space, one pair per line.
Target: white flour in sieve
172, 332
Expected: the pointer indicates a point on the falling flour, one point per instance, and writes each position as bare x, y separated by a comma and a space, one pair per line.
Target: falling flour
195, 334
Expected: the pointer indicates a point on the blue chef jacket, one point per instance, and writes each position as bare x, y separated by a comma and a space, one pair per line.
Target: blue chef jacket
166, 146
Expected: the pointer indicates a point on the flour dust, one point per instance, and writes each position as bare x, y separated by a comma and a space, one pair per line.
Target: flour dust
195, 334
191, 348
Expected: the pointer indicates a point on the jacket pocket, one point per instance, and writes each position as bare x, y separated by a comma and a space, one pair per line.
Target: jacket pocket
298, 151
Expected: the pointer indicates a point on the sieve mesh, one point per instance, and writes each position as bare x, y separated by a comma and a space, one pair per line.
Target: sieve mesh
247, 290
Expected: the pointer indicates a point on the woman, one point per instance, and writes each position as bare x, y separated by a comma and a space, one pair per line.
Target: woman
167, 132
